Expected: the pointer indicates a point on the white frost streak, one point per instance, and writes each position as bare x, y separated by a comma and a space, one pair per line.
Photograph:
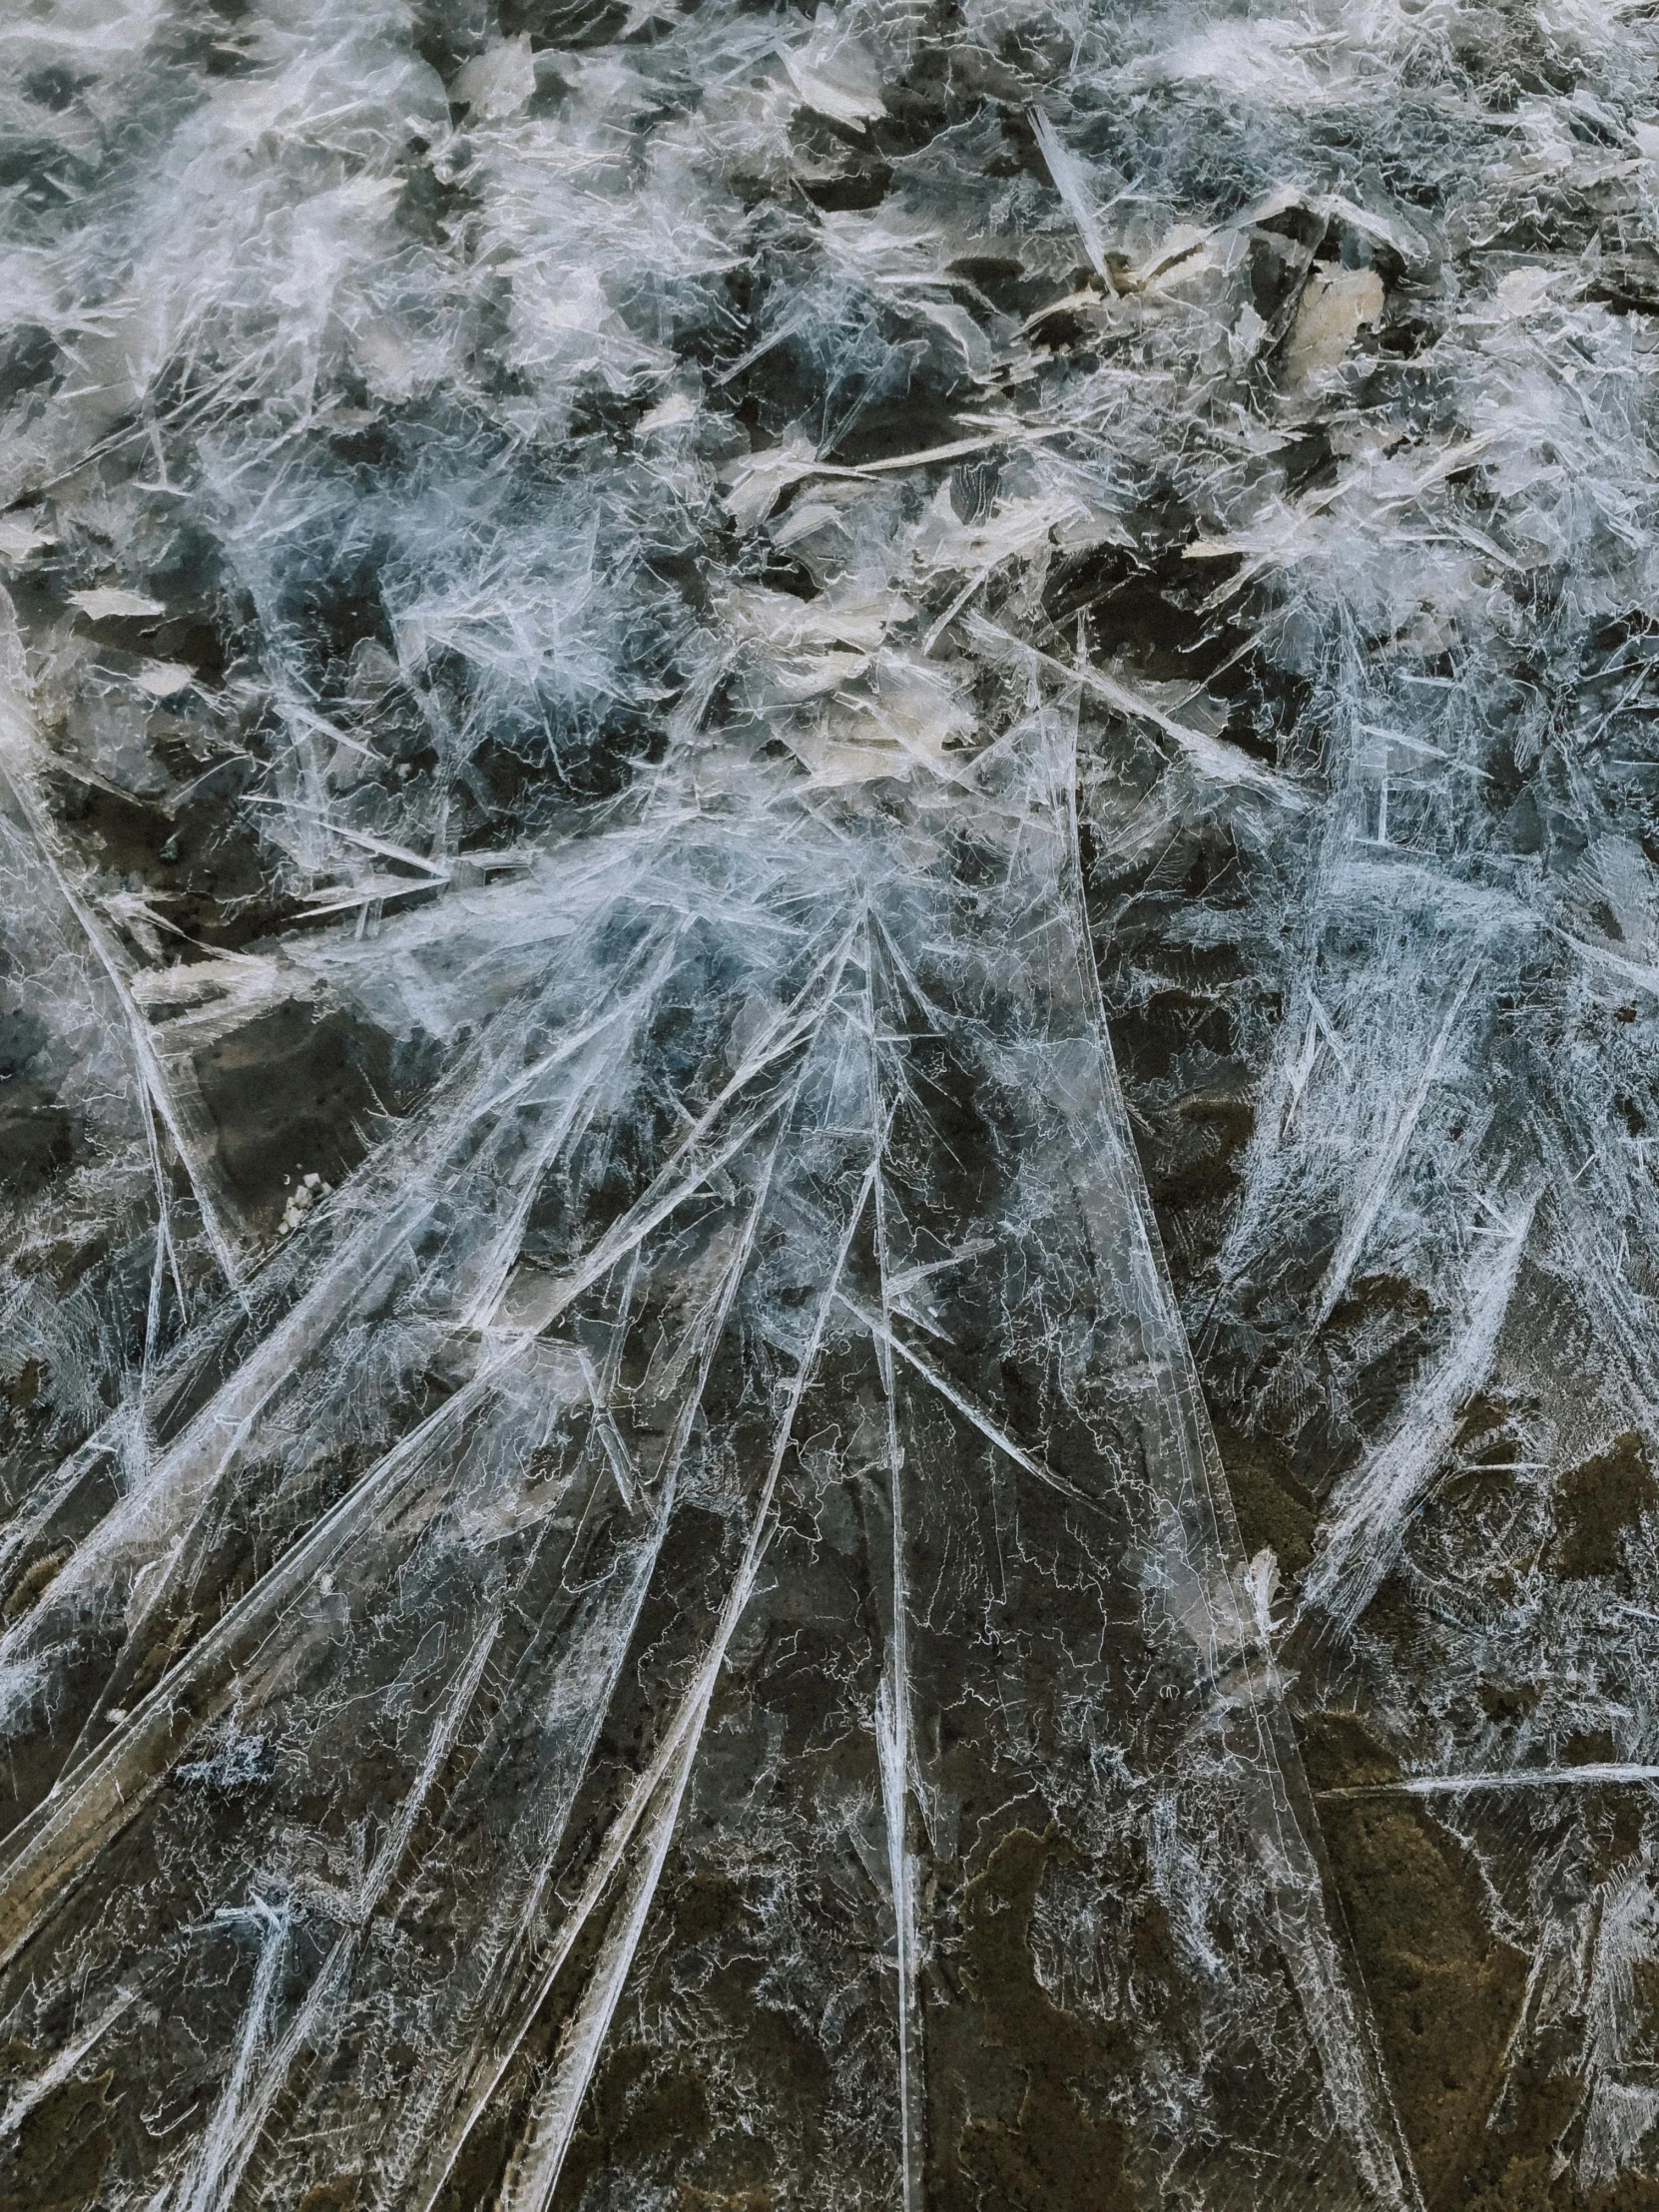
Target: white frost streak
208, 2184
893, 1707
1370, 1508
1403, 1123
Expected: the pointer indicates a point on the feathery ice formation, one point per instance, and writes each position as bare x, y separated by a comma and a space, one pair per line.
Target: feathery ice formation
828, 999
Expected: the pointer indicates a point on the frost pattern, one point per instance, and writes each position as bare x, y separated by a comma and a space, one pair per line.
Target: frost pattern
829, 947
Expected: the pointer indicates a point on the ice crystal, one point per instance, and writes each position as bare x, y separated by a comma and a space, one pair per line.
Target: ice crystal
828, 977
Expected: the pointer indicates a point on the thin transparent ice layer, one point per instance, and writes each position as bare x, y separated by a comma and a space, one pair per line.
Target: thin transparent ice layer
822, 1501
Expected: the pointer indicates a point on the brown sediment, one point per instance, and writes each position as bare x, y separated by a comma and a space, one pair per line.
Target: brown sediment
35, 1579
1445, 1994
1193, 1168
1597, 1502
1525, 2180
196, 852
1272, 1505
1444, 1991
1049, 2153
633, 2118
1508, 1701
338, 2195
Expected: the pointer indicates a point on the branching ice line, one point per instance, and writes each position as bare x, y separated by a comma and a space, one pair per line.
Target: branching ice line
16, 754
912, 984
710, 1325
54, 1493
547, 2139
1016, 432
1401, 1130
494, 2026
494, 1264
574, 1042
1299, 1075
1372, 1506
503, 1249
50, 1850
619, 1458
434, 872
183, 1482
504, 1945
533, 2175
540, 1304
1068, 182
1343, 2037
964, 1405
667, 1191
1320, 1027
1591, 1776
164, 1250
1222, 761
204, 1450
28, 2094
892, 1743
330, 1978
981, 574
199, 2190
893, 1708
1354, 2080
684, 1731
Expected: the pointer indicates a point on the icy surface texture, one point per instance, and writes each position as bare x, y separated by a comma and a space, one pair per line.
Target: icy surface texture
829, 987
